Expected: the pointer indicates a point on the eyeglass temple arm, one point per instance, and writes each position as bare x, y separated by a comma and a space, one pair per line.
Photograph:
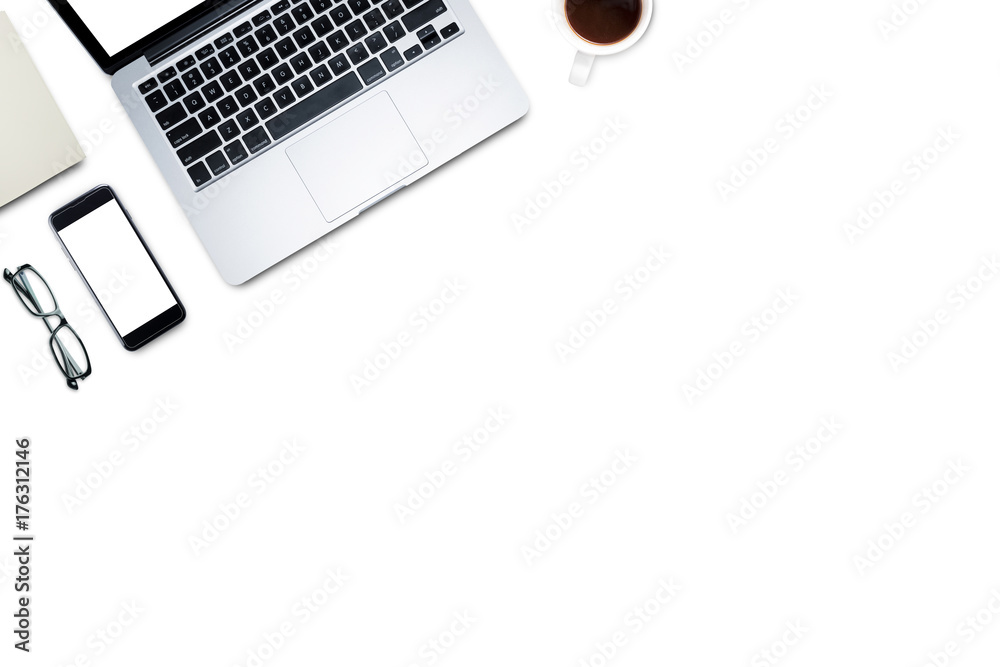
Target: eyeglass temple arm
24, 287
71, 364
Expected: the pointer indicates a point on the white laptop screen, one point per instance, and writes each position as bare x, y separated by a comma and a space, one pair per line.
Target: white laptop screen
118, 24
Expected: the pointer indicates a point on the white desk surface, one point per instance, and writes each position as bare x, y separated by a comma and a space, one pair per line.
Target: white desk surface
803, 555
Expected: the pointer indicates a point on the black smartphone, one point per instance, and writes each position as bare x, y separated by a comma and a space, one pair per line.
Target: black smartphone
100, 239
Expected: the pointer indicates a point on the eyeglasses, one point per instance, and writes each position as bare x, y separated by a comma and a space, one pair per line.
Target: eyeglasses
37, 297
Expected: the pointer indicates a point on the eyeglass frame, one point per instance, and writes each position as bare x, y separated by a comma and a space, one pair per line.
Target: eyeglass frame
71, 380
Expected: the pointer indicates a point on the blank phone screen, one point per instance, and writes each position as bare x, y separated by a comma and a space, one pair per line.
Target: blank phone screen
117, 267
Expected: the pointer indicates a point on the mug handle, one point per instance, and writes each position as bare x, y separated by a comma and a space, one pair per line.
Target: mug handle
581, 68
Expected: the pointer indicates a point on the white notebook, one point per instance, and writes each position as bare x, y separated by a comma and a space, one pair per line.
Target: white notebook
35, 140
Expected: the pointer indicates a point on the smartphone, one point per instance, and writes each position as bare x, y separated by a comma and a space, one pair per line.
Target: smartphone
101, 241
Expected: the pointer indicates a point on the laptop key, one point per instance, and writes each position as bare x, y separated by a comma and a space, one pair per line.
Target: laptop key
166, 74
211, 68
301, 63
322, 26
304, 37
217, 163
231, 81
341, 15
376, 42
209, 117
262, 18
284, 97
156, 101
245, 96
247, 46
171, 116
212, 92
228, 106
413, 52
282, 6
183, 133
316, 105
392, 59
393, 8
264, 85
356, 30
303, 14
410, 4
186, 63
268, 58
199, 175
236, 152
319, 52
357, 53
429, 39
193, 79
194, 102
321, 76
205, 51
359, 6
449, 30
229, 130
230, 57
283, 74
248, 69
257, 140
174, 89
266, 35
424, 14
394, 31
339, 65
302, 87
247, 119
337, 41
147, 86
371, 71
225, 40
266, 108
286, 47
199, 148
284, 24
242, 29
374, 19
321, 6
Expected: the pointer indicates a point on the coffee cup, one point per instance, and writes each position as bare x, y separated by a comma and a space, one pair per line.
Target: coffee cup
600, 28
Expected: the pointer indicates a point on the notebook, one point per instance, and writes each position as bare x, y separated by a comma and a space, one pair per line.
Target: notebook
36, 143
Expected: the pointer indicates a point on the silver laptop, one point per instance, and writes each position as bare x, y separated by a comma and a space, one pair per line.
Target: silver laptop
276, 122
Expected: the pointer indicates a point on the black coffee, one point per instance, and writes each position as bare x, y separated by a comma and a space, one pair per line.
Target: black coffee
604, 21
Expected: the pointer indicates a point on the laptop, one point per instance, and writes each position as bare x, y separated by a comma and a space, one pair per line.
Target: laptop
276, 122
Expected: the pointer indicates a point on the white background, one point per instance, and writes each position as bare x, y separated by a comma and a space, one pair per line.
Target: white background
495, 346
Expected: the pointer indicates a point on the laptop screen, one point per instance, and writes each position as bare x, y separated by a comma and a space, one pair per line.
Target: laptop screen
118, 24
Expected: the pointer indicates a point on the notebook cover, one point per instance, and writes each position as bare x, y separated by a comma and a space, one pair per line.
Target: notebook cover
36, 143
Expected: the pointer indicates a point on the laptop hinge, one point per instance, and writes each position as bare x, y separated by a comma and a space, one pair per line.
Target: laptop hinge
194, 29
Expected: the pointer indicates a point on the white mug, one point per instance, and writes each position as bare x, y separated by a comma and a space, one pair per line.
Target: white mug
587, 51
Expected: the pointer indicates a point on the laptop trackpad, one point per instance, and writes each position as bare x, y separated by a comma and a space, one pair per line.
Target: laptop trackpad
357, 157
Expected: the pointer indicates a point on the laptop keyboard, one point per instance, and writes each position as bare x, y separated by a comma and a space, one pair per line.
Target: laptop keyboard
244, 91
